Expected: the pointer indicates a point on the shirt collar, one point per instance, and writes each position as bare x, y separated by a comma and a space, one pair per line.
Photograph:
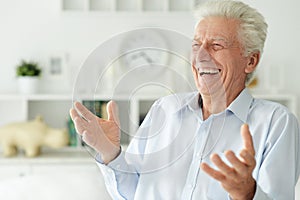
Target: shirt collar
192, 102
240, 106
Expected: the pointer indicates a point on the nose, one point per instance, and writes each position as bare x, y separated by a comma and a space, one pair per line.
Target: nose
202, 54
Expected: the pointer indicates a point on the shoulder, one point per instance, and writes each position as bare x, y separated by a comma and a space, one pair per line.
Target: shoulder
271, 110
263, 104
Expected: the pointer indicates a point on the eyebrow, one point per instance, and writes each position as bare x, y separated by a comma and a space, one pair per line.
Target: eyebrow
218, 38
196, 38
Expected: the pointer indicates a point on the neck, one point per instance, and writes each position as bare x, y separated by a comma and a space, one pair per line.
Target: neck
217, 102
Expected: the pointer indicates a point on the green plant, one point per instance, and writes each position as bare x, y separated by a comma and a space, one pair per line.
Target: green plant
28, 69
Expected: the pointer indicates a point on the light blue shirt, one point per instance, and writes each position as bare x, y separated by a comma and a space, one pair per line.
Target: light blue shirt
163, 159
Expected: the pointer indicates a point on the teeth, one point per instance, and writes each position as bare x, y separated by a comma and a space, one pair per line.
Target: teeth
209, 71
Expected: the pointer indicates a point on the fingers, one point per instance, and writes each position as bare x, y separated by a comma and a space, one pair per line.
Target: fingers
235, 162
215, 158
79, 115
112, 111
247, 139
80, 124
73, 114
235, 171
212, 172
84, 112
248, 158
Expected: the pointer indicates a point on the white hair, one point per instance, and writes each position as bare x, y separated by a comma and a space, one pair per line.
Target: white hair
253, 28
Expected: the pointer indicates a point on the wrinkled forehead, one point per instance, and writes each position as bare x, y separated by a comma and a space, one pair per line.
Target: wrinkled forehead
217, 28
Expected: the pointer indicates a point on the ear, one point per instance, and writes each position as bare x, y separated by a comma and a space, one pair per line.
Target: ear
252, 62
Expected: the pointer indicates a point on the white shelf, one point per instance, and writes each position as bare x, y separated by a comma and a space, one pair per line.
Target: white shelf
35, 97
116, 6
66, 155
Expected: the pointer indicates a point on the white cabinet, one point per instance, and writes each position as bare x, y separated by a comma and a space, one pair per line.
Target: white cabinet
53, 175
129, 5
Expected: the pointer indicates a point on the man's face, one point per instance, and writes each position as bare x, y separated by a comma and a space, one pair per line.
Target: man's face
218, 62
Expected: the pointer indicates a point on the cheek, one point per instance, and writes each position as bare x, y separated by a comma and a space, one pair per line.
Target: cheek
242, 64
193, 64
195, 76
235, 70
231, 63
219, 60
194, 71
193, 58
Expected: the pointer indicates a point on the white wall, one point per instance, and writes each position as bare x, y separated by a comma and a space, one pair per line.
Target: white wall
36, 29
281, 50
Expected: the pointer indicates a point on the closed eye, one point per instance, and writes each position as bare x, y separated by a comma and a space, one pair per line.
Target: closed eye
217, 46
196, 46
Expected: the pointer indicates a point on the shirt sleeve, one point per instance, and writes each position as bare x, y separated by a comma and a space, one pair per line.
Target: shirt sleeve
120, 178
121, 175
259, 195
278, 170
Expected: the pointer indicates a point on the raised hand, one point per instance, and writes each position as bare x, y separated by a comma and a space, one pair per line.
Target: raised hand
103, 135
236, 180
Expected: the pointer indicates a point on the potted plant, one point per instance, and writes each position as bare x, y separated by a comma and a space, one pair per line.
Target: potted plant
28, 74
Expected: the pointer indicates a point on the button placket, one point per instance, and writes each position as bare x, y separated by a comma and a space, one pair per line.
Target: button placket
195, 165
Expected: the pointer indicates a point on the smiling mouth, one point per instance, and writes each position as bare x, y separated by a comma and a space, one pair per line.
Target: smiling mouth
209, 71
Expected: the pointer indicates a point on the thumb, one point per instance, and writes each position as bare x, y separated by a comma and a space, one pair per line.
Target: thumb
112, 111
247, 139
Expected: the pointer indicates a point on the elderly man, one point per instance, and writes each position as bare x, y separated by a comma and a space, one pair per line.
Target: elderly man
216, 143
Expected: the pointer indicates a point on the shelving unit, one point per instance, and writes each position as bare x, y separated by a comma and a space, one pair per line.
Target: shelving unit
55, 108
129, 5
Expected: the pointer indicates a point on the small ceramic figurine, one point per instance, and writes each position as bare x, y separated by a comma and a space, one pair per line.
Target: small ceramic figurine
31, 136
